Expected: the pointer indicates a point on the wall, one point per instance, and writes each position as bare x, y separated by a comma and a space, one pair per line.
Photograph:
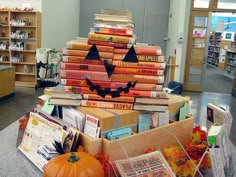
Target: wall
178, 23
60, 22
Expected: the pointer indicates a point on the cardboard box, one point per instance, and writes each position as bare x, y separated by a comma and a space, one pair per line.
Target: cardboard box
158, 138
175, 103
110, 119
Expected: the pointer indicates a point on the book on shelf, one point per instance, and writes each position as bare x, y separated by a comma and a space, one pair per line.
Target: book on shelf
152, 101
122, 31
126, 70
83, 45
85, 67
107, 104
84, 53
138, 78
82, 83
82, 60
111, 17
138, 86
150, 164
77, 74
146, 65
109, 43
151, 107
91, 127
111, 38
112, 22
142, 58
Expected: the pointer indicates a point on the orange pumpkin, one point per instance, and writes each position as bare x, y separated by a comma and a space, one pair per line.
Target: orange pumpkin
75, 164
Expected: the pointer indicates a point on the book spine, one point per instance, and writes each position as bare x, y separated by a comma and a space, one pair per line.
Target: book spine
107, 43
138, 78
73, 74
151, 72
142, 58
125, 99
78, 90
111, 38
152, 51
144, 93
149, 65
85, 67
107, 105
83, 46
115, 31
82, 83
83, 53
138, 86
82, 60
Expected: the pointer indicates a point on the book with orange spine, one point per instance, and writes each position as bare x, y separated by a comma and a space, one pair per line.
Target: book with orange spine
77, 74
82, 83
107, 43
79, 90
150, 65
107, 104
85, 67
82, 60
84, 53
125, 70
82, 45
126, 99
138, 78
142, 58
111, 38
147, 50
113, 30
138, 86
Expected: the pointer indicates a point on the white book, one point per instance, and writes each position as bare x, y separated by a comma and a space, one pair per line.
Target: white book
91, 126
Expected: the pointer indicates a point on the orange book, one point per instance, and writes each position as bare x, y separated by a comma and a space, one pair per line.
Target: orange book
82, 83
142, 58
111, 38
77, 74
138, 86
146, 94
107, 43
146, 50
85, 67
82, 45
79, 90
138, 78
147, 65
151, 72
82, 60
113, 30
126, 99
107, 104
84, 53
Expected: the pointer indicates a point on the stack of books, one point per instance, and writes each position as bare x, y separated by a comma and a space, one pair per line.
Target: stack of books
109, 75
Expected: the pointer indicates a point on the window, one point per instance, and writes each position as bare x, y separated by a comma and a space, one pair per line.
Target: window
201, 3
226, 4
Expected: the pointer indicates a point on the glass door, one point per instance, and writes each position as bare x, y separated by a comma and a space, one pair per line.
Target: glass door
196, 50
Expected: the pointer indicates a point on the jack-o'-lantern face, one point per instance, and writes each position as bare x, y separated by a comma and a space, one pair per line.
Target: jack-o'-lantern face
94, 55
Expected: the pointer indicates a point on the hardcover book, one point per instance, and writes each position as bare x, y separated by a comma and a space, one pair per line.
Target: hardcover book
82, 60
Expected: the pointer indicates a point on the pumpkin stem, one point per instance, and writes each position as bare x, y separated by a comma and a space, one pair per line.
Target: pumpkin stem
73, 158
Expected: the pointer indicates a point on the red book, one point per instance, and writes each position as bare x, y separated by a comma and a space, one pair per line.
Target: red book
145, 50
113, 30
73, 74
138, 78
82, 83
80, 90
147, 65
107, 104
84, 53
85, 67
142, 58
82, 60
107, 43
138, 86
125, 99
151, 72
82, 45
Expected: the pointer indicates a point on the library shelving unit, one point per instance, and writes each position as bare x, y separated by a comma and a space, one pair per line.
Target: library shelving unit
230, 63
20, 36
224, 46
214, 49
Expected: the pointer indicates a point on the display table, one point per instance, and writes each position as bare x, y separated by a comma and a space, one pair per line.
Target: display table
7, 82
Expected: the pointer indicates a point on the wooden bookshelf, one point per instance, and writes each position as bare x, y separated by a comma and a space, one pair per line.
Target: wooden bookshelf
20, 48
230, 65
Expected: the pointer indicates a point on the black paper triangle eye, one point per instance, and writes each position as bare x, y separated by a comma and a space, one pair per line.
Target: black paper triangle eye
109, 68
93, 53
131, 56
